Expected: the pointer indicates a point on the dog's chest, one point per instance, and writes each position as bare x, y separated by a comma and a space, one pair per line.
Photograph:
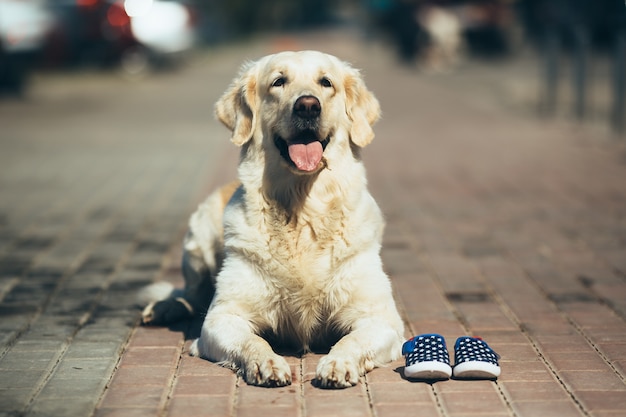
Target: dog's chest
310, 246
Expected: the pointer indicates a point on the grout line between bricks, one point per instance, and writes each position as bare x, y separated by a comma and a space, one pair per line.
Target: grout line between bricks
441, 409
578, 329
85, 317
514, 319
233, 404
368, 393
171, 382
301, 388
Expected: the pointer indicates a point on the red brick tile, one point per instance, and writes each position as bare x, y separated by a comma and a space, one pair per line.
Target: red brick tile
146, 336
578, 361
614, 351
503, 337
190, 365
330, 405
132, 396
510, 352
142, 375
620, 366
205, 385
465, 386
392, 372
603, 400
485, 316
263, 410
563, 343
200, 406
547, 408
592, 380
450, 329
535, 391
352, 392
476, 402
400, 392
404, 410
525, 371
276, 397
150, 356
602, 413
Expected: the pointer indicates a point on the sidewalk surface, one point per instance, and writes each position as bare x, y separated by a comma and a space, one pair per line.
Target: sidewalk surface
499, 225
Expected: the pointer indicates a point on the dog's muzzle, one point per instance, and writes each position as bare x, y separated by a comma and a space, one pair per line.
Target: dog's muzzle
305, 149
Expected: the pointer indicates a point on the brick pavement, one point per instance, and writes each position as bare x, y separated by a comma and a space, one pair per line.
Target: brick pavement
498, 226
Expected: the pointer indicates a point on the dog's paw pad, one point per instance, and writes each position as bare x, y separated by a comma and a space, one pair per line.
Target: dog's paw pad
336, 373
271, 372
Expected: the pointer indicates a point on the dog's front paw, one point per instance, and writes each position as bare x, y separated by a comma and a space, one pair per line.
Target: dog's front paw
273, 371
333, 372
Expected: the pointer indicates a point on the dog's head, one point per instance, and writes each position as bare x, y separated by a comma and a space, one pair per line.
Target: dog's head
298, 104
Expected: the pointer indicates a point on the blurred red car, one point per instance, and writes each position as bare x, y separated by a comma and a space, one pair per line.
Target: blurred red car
108, 32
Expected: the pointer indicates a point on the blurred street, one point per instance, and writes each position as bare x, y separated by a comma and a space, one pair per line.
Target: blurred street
500, 224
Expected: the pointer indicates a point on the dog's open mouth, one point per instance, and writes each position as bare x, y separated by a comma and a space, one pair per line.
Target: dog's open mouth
305, 151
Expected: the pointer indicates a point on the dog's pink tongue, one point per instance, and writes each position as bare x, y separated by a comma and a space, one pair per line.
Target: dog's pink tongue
306, 157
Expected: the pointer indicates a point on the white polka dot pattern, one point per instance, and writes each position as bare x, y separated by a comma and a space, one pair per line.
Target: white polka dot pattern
468, 349
426, 348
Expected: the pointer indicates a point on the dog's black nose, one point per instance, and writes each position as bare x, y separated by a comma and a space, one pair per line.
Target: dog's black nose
307, 107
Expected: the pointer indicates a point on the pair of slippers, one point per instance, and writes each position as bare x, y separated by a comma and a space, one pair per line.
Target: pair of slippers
427, 358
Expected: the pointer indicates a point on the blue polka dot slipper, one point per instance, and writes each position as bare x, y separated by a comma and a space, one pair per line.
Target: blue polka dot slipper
426, 357
474, 359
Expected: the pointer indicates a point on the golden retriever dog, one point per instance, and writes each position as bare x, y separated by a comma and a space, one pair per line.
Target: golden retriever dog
289, 255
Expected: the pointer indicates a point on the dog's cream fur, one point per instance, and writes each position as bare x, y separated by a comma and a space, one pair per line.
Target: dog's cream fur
299, 259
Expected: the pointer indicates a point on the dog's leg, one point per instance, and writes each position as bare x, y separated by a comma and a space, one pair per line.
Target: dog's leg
182, 305
230, 340
371, 343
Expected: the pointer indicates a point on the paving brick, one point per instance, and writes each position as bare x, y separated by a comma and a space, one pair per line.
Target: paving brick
325, 405
128, 412
400, 392
21, 378
404, 409
535, 391
195, 366
209, 406
151, 356
142, 375
217, 385
66, 388
277, 411
126, 396
15, 400
78, 407
474, 402
595, 400
592, 380
547, 408
17, 359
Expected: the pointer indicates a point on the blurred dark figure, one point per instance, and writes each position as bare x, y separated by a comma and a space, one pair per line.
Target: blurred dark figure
404, 29
577, 27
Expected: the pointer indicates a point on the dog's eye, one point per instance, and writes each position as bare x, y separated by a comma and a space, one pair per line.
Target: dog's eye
325, 82
279, 82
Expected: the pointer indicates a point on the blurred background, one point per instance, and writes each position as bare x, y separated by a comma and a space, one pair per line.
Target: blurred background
577, 47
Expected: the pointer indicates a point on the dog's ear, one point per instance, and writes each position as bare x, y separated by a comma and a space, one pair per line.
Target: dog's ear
237, 106
362, 108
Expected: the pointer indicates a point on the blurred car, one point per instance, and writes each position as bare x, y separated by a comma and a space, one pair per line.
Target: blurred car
24, 26
109, 32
